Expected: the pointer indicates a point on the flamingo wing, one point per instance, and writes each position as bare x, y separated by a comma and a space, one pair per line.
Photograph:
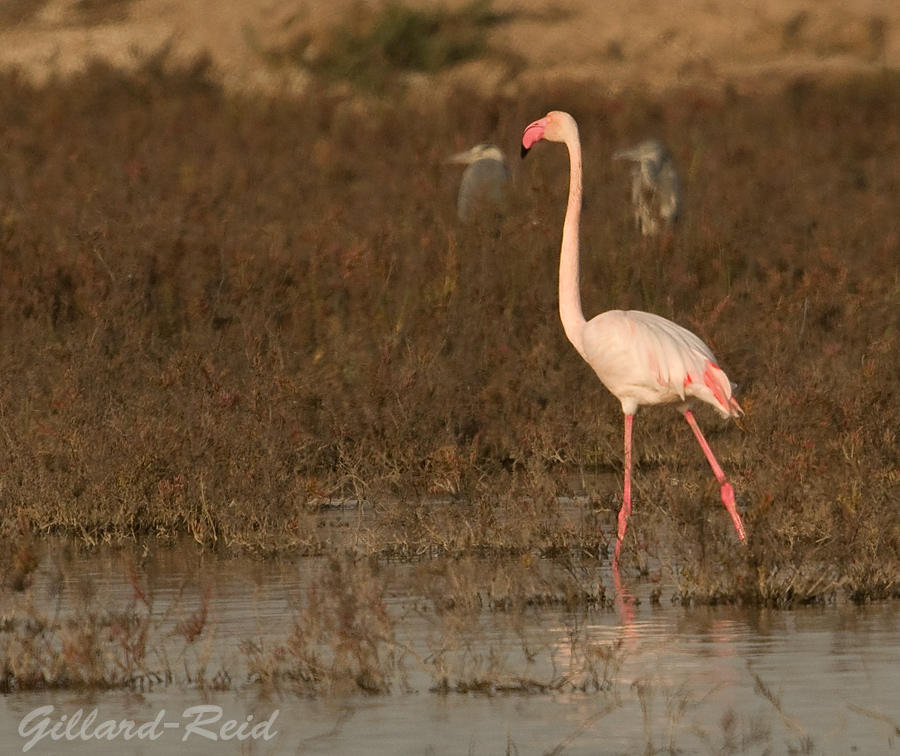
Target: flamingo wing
645, 359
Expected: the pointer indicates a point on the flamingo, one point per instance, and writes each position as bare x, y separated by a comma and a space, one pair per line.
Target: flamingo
640, 357
484, 181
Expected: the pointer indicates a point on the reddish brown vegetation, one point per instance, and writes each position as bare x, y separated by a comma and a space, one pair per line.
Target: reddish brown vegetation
218, 314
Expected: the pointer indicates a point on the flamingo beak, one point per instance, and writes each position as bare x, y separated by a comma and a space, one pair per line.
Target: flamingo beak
534, 132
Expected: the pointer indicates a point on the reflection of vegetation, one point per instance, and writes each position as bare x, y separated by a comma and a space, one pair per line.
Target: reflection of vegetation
93, 645
465, 626
376, 44
341, 641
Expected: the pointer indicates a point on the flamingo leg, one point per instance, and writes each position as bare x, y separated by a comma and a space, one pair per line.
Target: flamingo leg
625, 511
726, 489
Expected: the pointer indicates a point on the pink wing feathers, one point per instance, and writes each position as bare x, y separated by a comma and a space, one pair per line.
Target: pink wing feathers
645, 359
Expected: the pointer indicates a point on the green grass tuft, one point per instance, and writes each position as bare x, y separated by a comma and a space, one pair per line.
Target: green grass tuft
377, 45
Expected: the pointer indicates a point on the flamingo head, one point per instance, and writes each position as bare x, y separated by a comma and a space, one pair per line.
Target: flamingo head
556, 126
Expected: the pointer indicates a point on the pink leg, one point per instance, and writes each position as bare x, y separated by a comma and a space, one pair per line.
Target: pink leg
727, 490
624, 601
625, 510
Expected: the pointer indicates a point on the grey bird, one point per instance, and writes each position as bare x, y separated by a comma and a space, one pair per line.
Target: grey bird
655, 190
484, 182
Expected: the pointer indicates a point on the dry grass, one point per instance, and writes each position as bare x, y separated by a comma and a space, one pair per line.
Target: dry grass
220, 314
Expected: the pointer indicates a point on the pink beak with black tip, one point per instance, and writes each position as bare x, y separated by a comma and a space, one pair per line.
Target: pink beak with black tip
534, 132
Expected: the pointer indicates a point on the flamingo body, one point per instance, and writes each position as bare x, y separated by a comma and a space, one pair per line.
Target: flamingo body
643, 358
640, 357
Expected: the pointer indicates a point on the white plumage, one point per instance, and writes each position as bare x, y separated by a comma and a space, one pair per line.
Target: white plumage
643, 358
484, 182
655, 188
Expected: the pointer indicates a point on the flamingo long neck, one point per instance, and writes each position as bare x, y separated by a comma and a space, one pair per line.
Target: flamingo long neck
570, 311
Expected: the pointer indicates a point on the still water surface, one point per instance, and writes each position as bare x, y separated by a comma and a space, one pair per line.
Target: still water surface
687, 680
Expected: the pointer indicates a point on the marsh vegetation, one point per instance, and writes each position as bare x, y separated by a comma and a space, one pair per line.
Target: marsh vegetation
221, 315
254, 326
525, 655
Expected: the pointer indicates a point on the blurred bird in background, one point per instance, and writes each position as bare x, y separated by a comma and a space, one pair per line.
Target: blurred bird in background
655, 190
484, 182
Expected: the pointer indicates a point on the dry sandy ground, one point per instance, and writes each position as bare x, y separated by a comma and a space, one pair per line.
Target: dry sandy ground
616, 44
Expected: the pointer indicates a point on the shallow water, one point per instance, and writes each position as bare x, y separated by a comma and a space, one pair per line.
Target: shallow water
673, 679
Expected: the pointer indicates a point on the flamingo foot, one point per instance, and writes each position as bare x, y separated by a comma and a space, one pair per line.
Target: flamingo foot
731, 505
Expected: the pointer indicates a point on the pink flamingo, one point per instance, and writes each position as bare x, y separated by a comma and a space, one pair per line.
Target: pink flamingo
640, 357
